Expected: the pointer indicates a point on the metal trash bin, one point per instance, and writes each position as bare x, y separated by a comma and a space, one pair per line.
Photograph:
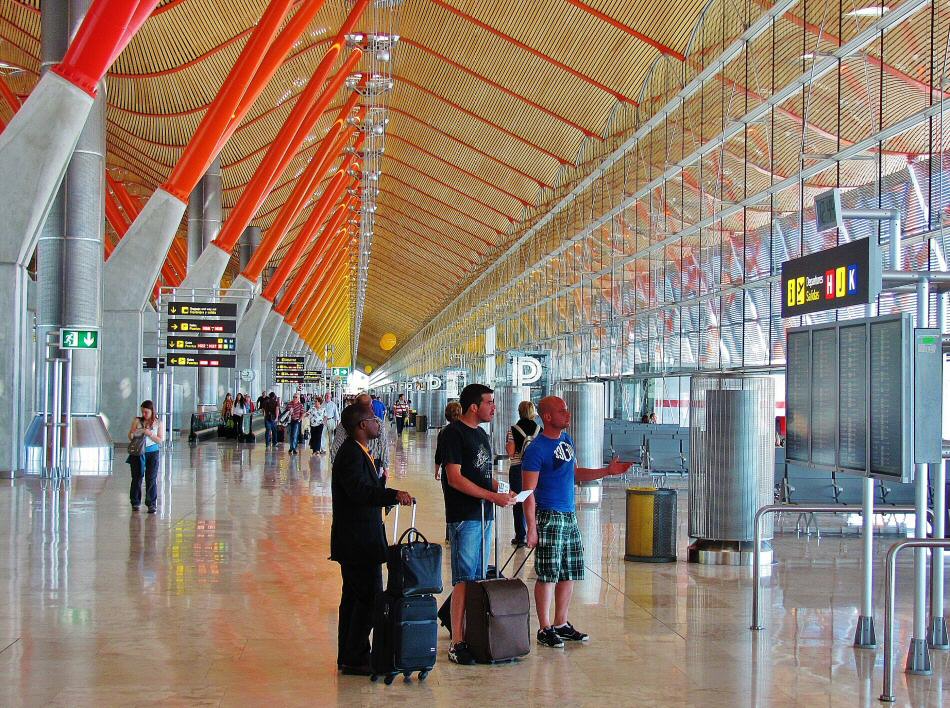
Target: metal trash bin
651, 525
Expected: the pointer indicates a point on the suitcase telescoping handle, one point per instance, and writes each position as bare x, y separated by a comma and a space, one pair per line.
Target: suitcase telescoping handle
412, 524
498, 571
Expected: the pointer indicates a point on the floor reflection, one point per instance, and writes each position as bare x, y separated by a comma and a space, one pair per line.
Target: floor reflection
226, 597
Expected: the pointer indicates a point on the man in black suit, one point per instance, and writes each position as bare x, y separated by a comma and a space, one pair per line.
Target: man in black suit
358, 537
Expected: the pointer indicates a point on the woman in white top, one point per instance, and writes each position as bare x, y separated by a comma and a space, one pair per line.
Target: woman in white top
238, 411
149, 432
316, 426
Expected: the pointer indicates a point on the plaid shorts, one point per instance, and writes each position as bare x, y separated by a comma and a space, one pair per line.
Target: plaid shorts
560, 553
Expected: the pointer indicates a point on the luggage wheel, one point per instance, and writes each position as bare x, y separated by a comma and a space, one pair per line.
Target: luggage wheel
423, 675
389, 679
374, 678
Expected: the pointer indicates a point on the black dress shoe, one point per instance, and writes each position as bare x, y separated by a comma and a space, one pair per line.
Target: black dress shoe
135, 507
152, 510
357, 671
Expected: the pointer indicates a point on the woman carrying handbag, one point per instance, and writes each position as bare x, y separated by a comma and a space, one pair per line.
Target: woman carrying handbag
145, 442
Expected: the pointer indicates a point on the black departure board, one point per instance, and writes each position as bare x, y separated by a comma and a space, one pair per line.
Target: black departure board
849, 395
852, 397
824, 398
798, 397
887, 383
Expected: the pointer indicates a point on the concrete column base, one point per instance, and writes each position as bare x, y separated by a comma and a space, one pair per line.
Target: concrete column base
15, 388
122, 352
206, 272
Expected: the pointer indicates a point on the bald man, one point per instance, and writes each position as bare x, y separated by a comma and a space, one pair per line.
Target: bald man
378, 447
548, 467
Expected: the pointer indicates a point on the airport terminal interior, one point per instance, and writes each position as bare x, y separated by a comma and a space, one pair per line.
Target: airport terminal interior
714, 232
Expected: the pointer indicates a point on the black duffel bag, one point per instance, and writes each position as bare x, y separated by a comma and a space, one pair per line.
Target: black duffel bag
414, 565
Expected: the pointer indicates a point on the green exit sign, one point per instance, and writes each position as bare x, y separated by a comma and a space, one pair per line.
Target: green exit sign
340, 371
78, 338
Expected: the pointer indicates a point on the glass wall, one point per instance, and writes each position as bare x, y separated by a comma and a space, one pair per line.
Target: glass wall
659, 255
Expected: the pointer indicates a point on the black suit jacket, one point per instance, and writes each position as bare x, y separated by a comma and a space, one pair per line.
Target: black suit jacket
358, 534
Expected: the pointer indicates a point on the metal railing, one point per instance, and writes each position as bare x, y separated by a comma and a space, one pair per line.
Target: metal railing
890, 564
798, 508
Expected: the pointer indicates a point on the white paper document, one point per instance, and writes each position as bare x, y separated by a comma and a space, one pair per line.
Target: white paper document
523, 495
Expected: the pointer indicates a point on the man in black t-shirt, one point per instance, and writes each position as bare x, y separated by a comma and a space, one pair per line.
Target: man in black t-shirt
465, 450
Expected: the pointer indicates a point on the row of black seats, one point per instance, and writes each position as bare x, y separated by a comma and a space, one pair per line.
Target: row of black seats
796, 484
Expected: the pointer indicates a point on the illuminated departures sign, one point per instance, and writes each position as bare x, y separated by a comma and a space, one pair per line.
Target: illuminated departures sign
202, 309
216, 361
201, 344
846, 275
289, 369
196, 328
202, 326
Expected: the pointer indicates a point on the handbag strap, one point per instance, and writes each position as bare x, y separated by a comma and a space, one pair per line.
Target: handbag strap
418, 536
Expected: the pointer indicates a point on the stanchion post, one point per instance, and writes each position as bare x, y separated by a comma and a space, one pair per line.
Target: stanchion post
67, 412
918, 653
939, 638
864, 633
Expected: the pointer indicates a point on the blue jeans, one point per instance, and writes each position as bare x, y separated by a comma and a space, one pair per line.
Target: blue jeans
468, 559
270, 431
293, 434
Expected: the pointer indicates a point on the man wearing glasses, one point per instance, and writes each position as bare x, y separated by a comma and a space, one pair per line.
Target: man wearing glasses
357, 536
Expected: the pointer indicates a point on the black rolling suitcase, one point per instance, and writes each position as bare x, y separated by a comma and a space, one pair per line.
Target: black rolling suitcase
405, 632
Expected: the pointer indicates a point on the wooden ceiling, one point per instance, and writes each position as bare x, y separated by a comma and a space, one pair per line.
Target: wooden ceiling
492, 104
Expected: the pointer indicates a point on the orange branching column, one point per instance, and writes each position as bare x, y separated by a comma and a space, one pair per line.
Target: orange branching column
324, 250
201, 149
333, 192
288, 141
334, 142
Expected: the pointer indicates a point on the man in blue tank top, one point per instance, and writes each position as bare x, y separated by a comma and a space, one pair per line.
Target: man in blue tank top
548, 467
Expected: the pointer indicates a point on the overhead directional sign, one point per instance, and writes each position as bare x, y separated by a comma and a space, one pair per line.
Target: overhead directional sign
193, 344
153, 362
215, 361
846, 275
340, 371
202, 326
203, 309
78, 338
312, 376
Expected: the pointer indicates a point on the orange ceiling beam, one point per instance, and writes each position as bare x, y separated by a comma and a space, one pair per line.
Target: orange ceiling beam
203, 145
294, 204
317, 250
329, 197
418, 148
534, 52
504, 89
331, 267
471, 114
501, 163
293, 132
669, 51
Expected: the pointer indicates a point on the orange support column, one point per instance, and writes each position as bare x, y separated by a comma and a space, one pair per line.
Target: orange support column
318, 250
294, 204
288, 141
106, 29
202, 147
280, 276
333, 266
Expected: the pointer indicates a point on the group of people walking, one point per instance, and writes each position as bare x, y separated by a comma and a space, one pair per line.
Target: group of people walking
543, 462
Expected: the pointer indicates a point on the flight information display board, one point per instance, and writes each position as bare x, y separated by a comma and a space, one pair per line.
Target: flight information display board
289, 369
849, 396
185, 327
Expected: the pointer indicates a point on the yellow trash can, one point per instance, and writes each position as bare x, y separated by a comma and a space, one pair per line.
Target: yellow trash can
651, 525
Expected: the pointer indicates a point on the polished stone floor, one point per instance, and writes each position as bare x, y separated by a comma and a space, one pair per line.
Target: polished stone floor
226, 597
